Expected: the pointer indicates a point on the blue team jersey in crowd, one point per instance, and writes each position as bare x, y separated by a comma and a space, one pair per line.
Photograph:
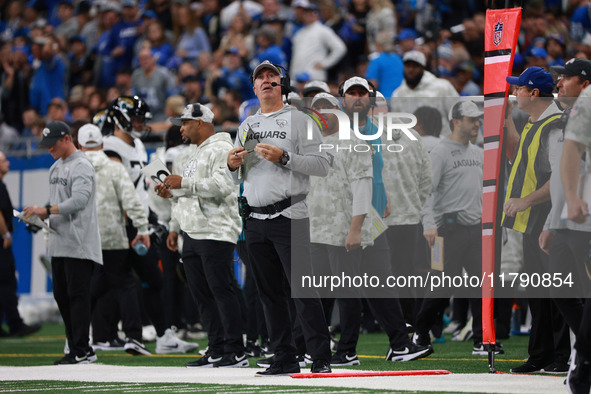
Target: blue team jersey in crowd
387, 68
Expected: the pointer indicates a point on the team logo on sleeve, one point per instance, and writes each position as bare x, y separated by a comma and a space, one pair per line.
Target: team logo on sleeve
281, 122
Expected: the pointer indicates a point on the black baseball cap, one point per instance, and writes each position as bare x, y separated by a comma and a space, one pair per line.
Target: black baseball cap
580, 67
53, 132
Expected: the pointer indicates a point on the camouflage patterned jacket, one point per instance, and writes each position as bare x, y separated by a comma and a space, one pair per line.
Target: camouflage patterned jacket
407, 177
331, 199
115, 194
209, 208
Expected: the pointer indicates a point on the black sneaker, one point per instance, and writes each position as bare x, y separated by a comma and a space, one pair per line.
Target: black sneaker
526, 367
71, 359
135, 347
114, 344
279, 369
422, 339
320, 366
25, 330
578, 380
301, 361
252, 349
233, 360
408, 352
206, 361
265, 362
479, 349
555, 368
344, 359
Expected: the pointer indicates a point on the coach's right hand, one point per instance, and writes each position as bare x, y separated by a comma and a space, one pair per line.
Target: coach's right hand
172, 241
430, 235
236, 158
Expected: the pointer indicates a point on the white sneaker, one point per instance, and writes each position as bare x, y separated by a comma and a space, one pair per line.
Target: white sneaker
452, 327
169, 343
148, 333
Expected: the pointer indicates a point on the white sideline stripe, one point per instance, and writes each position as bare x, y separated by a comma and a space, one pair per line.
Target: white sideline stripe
478, 383
491, 145
497, 59
493, 102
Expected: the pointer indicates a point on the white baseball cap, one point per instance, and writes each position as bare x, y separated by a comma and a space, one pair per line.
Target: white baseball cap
193, 111
354, 81
315, 86
90, 136
326, 96
464, 108
415, 56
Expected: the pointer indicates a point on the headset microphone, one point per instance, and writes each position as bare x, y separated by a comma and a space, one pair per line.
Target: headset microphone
275, 84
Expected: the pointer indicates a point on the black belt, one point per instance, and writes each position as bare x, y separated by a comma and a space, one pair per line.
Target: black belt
280, 206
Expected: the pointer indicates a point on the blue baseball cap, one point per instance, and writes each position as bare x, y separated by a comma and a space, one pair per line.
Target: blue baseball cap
302, 77
535, 78
539, 52
407, 34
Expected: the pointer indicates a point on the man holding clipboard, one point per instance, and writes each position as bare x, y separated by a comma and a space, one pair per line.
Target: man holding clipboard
454, 211
205, 210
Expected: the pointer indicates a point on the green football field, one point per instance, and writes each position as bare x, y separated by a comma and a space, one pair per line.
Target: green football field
47, 345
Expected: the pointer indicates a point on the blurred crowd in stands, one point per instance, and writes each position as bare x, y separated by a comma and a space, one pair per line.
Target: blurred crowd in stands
66, 59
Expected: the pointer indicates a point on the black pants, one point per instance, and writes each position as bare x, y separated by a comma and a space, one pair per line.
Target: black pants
173, 287
116, 276
255, 317
567, 253
273, 245
462, 249
549, 339
583, 344
71, 290
373, 260
8, 298
209, 266
402, 241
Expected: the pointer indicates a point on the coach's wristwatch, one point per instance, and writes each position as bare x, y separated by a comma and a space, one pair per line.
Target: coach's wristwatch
284, 158
48, 209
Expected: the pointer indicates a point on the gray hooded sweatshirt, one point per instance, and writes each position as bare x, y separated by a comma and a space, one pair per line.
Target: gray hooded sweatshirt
72, 187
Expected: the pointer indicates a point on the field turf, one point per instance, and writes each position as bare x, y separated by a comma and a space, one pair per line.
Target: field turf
47, 346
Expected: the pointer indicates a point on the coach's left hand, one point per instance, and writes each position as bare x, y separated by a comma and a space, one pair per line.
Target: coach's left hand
269, 152
35, 210
173, 181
